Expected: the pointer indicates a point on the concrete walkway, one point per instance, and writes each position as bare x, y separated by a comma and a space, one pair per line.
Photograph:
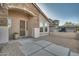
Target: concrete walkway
30, 47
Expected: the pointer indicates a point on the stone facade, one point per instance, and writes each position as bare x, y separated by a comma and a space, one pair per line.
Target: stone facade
3, 15
53, 25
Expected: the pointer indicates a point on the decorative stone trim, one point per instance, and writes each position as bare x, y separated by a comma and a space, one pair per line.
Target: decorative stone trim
3, 21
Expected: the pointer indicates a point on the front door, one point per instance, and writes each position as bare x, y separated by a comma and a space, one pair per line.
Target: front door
22, 28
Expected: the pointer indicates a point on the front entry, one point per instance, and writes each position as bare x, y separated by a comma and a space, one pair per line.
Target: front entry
22, 28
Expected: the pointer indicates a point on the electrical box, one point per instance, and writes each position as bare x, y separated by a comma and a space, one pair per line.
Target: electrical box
35, 32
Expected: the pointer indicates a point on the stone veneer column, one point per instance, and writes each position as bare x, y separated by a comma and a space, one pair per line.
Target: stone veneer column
4, 37
3, 14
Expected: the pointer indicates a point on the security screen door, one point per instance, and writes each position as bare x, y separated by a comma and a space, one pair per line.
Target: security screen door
22, 28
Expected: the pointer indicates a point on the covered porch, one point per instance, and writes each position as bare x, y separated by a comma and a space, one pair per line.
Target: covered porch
21, 22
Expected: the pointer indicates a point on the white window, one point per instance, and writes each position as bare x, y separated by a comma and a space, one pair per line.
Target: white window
9, 21
46, 26
41, 27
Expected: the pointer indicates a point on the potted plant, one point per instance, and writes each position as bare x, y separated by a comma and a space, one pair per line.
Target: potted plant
15, 35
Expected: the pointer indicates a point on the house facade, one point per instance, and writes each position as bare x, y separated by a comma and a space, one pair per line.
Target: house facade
22, 18
53, 25
70, 27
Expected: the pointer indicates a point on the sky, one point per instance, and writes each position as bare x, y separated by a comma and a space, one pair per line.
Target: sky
64, 12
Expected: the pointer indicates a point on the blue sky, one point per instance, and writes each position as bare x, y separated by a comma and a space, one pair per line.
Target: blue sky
61, 11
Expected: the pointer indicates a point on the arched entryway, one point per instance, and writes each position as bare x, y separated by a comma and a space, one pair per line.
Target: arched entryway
19, 22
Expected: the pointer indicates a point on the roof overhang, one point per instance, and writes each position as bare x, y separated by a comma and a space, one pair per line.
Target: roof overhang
26, 11
38, 8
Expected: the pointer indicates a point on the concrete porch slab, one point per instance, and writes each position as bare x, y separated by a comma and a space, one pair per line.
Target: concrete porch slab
4, 54
24, 41
74, 54
43, 43
11, 49
42, 53
30, 48
58, 50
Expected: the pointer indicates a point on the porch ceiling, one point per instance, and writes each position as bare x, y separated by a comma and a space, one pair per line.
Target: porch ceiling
22, 10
